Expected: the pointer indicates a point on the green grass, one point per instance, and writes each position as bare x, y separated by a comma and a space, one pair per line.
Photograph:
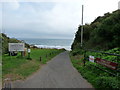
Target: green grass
45, 54
98, 78
0, 69
17, 67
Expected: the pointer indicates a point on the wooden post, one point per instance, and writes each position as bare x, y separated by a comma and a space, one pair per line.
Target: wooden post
9, 53
40, 58
84, 57
22, 53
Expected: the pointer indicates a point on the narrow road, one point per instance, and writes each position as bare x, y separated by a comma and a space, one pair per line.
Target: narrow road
57, 73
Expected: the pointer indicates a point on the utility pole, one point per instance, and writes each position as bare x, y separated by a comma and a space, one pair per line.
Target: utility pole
82, 27
119, 5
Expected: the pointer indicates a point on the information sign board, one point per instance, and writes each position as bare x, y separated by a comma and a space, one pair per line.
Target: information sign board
16, 46
109, 64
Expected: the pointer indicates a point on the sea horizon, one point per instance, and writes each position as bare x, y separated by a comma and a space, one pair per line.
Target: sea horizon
49, 43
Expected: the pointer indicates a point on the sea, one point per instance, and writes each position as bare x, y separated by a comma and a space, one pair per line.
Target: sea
50, 43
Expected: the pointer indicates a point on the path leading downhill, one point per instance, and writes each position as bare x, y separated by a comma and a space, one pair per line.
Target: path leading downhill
57, 73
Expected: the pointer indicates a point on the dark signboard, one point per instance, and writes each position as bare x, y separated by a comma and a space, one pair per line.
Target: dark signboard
109, 64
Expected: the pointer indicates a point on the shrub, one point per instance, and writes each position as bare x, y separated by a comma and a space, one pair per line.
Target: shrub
76, 52
107, 82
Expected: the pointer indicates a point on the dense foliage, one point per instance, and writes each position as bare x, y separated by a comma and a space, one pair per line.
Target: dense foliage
103, 33
98, 75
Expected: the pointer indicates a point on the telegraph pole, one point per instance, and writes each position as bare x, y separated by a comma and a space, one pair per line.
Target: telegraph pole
119, 5
82, 27
84, 53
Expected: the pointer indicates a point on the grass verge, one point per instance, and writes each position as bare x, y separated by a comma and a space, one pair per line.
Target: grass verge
98, 78
17, 67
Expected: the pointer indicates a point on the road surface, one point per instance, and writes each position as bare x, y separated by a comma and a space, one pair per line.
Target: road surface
57, 73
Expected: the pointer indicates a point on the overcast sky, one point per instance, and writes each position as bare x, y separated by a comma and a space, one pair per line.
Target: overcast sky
49, 18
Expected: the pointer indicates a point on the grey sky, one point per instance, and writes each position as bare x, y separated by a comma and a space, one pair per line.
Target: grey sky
50, 19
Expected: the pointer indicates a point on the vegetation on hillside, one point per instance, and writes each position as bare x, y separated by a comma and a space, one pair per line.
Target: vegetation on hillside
97, 77
102, 34
5, 40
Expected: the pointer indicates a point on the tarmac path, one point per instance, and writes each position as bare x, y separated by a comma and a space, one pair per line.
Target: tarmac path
57, 73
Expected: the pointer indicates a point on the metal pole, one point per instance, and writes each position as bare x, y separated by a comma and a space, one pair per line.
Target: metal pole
82, 27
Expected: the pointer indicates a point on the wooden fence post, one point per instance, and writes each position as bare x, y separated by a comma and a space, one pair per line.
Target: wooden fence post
84, 57
40, 58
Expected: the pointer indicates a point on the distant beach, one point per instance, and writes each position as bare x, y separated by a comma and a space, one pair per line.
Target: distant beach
50, 43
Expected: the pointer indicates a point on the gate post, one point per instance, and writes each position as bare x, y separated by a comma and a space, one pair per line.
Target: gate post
84, 57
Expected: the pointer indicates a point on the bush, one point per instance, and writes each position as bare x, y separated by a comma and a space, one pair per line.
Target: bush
97, 77
107, 82
76, 52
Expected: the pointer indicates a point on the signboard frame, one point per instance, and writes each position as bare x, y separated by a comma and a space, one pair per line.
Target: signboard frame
16, 46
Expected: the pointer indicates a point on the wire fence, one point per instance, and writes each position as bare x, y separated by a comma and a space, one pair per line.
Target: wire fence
113, 67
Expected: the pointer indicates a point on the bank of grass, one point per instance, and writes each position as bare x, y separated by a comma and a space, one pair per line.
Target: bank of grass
98, 78
0, 71
17, 67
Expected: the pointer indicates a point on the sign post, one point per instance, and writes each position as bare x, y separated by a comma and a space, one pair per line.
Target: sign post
91, 59
29, 54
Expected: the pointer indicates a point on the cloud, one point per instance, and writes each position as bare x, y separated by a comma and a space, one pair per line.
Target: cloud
0, 17
64, 16
53, 19
41, 0
95, 8
13, 5
59, 19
